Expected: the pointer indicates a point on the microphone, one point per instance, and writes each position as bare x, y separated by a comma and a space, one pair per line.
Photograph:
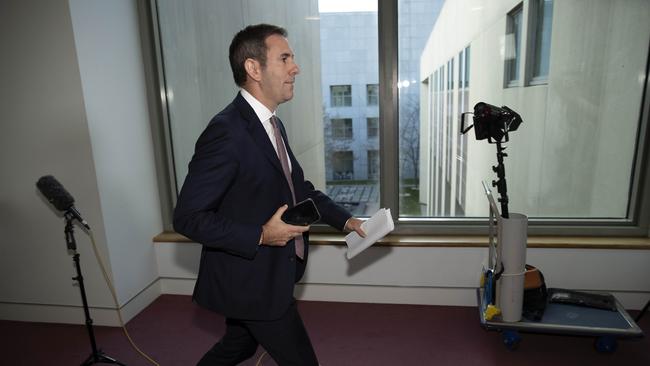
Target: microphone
59, 197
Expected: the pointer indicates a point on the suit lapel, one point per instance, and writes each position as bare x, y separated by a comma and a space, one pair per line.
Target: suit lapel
257, 132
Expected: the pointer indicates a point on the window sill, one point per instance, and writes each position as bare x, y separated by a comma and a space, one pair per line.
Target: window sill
567, 242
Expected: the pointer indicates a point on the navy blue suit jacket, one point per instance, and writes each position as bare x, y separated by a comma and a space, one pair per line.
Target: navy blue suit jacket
234, 185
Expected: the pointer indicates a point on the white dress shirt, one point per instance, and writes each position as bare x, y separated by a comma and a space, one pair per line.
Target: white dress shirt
264, 114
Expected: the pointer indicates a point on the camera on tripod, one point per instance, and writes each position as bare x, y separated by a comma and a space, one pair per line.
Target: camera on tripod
494, 123
491, 122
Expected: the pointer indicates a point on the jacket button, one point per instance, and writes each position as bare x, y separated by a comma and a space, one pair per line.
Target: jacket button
292, 258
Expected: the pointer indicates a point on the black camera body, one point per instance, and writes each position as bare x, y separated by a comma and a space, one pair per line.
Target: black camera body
492, 122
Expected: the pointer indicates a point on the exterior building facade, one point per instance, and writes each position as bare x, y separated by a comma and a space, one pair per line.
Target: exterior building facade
553, 62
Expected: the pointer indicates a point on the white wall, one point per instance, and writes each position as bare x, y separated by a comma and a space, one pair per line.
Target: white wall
431, 276
73, 105
106, 36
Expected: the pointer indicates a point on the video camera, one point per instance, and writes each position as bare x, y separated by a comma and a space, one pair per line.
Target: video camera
491, 122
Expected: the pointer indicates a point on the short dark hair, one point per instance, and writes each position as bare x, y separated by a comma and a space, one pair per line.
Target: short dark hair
250, 42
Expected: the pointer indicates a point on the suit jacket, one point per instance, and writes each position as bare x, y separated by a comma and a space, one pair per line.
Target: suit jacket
234, 185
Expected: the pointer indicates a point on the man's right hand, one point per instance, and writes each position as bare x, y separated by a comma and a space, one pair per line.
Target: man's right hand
277, 233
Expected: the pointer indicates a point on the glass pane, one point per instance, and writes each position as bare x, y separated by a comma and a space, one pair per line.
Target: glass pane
571, 158
341, 128
372, 93
350, 86
195, 37
513, 46
340, 95
372, 124
544, 18
415, 23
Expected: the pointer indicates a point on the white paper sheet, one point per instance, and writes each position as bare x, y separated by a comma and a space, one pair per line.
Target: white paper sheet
376, 227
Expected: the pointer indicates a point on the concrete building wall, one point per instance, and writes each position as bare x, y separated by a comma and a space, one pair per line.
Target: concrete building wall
573, 154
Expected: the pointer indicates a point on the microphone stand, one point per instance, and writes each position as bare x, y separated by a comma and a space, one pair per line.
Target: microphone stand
97, 356
500, 169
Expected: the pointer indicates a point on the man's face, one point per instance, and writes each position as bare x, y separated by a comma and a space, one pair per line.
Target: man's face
280, 71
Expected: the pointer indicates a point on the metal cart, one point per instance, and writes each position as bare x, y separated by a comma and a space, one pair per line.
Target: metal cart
605, 325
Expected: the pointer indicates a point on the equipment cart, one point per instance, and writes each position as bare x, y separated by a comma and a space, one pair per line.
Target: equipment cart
606, 325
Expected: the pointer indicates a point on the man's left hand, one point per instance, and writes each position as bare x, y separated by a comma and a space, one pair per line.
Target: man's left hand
354, 224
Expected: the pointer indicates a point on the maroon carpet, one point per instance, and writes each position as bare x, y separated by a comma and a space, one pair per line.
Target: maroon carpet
176, 332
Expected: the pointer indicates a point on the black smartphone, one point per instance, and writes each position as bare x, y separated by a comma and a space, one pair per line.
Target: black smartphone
303, 213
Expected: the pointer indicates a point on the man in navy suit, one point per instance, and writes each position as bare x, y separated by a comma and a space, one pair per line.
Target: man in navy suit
242, 177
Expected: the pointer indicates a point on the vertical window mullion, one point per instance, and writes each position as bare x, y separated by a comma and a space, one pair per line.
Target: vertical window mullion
388, 106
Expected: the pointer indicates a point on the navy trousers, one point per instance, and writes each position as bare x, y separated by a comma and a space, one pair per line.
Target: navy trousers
284, 339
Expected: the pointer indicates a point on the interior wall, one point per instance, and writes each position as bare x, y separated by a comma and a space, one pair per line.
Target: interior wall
106, 37
72, 104
431, 275
44, 131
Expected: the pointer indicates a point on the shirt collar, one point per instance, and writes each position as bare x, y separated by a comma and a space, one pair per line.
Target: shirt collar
260, 109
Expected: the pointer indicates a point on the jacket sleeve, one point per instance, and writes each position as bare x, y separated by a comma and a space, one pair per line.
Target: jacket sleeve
197, 215
331, 213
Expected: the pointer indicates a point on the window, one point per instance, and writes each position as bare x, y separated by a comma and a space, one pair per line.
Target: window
342, 161
569, 133
513, 46
372, 94
341, 95
372, 125
430, 174
373, 164
349, 67
342, 128
541, 19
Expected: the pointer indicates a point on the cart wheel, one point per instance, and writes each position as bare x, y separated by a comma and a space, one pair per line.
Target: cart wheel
605, 344
511, 339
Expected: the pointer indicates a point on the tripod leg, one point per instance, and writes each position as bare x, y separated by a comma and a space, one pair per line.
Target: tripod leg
101, 357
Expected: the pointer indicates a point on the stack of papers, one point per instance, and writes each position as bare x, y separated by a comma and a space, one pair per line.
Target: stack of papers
376, 227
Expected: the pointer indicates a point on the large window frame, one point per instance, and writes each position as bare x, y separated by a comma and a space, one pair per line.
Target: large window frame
636, 223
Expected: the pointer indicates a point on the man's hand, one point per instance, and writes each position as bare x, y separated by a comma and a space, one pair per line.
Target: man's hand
354, 224
277, 233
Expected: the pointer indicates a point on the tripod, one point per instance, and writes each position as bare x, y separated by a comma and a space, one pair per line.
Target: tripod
502, 188
97, 356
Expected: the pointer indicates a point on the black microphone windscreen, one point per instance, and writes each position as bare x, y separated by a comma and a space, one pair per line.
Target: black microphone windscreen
55, 193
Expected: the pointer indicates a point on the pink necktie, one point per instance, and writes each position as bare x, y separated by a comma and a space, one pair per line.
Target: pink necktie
282, 154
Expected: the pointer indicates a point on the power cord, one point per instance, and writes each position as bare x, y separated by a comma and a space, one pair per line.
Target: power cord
259, 360
117, 306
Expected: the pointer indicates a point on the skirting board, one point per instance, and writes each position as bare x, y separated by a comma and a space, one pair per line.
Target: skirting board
67, 314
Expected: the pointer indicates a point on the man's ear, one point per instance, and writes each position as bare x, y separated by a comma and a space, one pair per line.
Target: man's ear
253, 69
